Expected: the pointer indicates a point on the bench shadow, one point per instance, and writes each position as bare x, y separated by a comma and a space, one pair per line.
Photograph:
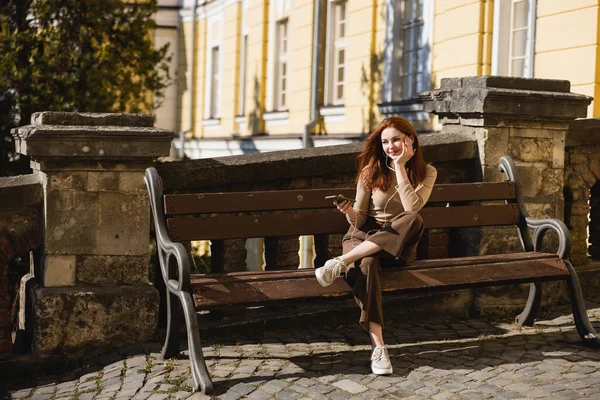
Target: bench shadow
463, 354
472, 345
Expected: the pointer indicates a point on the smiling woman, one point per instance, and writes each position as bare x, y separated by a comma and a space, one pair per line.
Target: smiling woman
393, 184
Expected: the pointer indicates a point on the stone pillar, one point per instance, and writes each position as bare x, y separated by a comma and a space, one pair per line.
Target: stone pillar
526, 119
93, 287
582, 176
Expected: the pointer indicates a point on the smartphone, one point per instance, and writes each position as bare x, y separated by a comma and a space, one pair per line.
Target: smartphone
339, 198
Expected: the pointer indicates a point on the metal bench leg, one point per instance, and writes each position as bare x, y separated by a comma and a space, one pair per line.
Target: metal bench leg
527, 317
585, 329
200, 373
172, 340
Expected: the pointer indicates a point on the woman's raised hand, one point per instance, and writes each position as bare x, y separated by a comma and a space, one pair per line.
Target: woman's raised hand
407, 152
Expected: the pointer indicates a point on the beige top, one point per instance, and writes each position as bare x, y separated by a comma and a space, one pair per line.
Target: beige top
384, 205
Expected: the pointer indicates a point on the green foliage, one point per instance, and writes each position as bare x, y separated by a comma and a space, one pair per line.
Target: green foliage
84, 55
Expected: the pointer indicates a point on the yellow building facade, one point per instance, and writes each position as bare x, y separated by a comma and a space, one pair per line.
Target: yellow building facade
245, 77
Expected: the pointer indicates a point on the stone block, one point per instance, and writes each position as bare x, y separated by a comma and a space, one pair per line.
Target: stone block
91, 119
594, 163
540, 210
586, 174
531, 150
493, 144
112, 270
72, 219
558, 152
580, 259
78, 321
70, 180
498, 240
124, 224
132, 182
578, 158
58, 270
108, 181
531, 178
580, 209
490, 173
533, 132
20, 191
552, 182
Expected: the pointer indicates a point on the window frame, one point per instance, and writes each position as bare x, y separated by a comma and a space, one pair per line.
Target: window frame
335, 44
420, 64
213, 94
214, 106
502, 38
281, 70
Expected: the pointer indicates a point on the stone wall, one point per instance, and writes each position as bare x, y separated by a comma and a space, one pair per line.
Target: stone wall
324, 167
526, 119
92, 289
582, 174
20, 233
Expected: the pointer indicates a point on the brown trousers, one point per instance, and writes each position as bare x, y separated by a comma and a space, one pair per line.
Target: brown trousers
398, 240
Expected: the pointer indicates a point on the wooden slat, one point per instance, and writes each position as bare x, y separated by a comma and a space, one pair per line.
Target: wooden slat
478, 191
463, 216
179, 204
314, 222
202, 279
227, 226
261, 286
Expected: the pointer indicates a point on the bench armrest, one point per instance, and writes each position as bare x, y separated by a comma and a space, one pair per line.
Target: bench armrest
169, 253
540, 226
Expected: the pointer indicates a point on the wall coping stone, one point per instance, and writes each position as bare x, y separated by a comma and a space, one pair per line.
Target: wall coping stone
286, 164
91, 119
492, 96
20, 191
505, 82
583, 132
123, 137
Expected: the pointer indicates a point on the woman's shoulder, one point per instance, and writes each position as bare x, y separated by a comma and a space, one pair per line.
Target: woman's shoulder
430, 169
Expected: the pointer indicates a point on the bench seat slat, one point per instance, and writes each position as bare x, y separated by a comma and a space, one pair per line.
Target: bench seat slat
203, 279
467, 272
314, 222
180, 204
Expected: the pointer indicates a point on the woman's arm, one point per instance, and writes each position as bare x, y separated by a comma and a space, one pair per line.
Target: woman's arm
356, 215
414, 199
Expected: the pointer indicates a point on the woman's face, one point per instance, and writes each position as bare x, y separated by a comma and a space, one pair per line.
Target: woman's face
393, 141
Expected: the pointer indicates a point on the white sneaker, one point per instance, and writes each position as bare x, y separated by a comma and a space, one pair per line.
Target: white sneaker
329, 272
380, 361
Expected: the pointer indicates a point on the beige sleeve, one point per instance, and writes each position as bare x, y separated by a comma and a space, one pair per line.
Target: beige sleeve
361, 206
414, 199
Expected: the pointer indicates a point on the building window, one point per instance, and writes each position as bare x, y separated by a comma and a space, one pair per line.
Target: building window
407, 59
243, 69
513, 47
412, 49
281, 66
215, 80
336, 52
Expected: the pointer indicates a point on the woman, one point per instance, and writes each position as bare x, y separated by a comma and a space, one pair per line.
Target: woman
393, 184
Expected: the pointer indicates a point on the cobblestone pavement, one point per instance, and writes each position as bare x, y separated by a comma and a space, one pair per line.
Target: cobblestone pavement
474, 359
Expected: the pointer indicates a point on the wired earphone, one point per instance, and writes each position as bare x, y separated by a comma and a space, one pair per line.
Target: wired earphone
386, 224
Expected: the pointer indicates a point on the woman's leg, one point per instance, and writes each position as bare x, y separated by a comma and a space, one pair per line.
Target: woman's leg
363, 250
376, 334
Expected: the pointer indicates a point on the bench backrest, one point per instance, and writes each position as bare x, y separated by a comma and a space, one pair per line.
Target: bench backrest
213, 216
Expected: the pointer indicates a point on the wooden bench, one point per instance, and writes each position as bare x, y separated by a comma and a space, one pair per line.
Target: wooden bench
216, 216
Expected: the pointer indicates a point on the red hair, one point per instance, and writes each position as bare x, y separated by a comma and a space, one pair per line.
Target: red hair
372, 169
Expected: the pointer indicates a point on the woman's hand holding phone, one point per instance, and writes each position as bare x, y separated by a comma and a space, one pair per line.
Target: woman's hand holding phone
343, 204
